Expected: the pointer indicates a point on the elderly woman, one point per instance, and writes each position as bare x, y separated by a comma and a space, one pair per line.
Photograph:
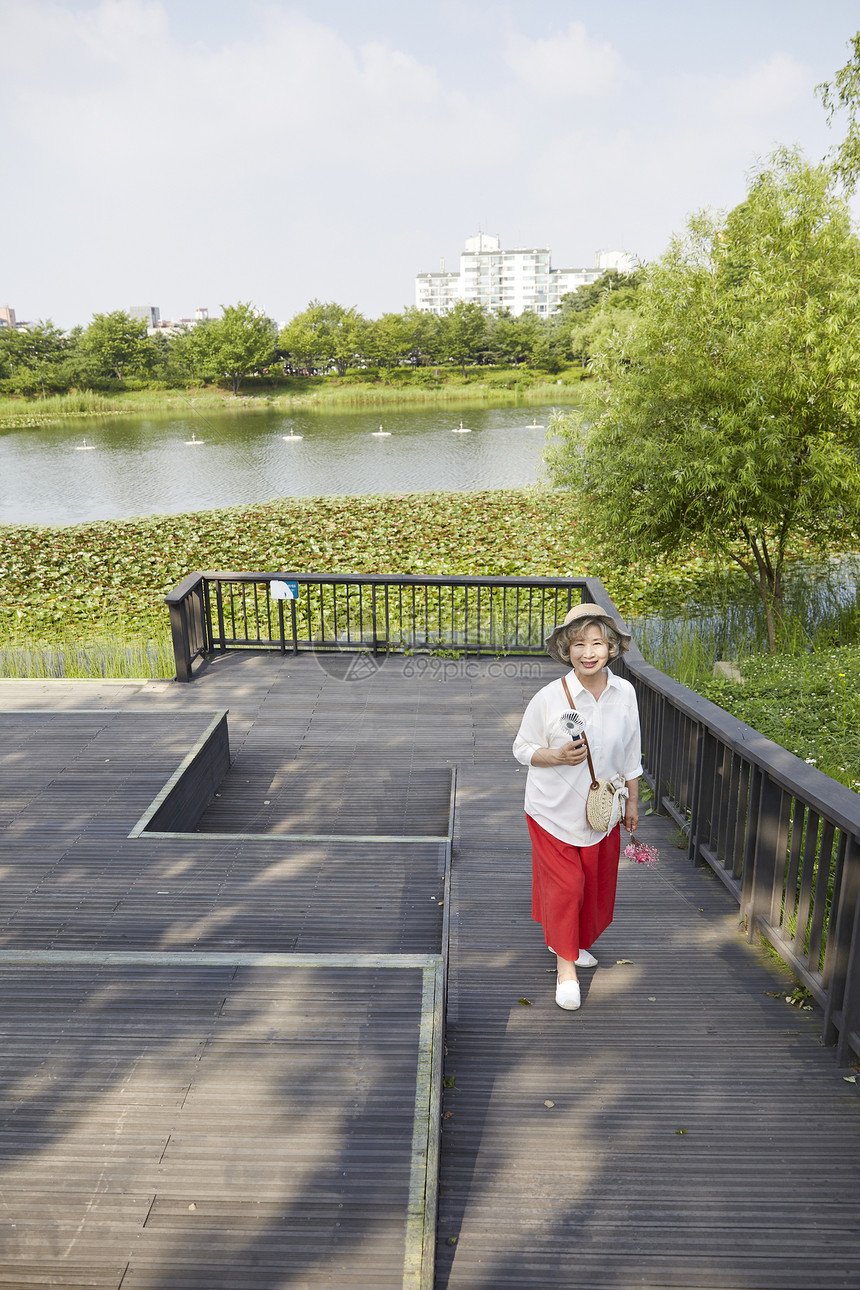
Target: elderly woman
574, 867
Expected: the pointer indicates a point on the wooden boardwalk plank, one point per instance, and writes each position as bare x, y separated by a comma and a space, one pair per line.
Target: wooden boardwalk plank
73, 878
760, 1190
699, 1136
282, 1132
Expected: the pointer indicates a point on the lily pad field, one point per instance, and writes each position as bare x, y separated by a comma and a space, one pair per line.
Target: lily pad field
77, 581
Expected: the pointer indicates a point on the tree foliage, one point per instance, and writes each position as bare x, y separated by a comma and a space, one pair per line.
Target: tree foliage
34, 361
727, 415
115, 343
323, 336
593, 313
464, 333
320, 339
241, 341
841, 97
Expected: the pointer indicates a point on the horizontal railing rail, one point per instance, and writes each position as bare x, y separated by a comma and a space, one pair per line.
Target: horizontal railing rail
783, 837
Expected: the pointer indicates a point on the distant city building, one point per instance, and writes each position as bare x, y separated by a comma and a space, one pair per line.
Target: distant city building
522, 281
7, 317
150, 314
156, 325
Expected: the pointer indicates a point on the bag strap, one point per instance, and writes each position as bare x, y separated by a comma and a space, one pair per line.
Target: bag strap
595, 783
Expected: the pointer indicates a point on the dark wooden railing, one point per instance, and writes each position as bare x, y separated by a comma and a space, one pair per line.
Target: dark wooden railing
378, 614
783, 837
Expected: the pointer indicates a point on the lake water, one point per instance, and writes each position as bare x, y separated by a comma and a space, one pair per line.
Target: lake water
147, 465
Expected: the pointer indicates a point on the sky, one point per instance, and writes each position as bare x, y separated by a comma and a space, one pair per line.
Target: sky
188, 153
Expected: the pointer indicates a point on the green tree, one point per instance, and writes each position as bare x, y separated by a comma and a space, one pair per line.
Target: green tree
116, 344
323, 335
421, 331
728, 415
34, 360
513, 339
464, 333
590, 315
241, 341
387, 341
620, 288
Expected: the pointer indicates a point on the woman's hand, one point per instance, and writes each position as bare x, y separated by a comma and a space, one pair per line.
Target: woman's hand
570, 754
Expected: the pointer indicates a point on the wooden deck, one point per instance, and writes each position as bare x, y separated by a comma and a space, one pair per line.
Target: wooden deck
219, 1043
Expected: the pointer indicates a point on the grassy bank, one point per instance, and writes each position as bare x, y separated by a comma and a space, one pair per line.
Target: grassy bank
809, 704
807, 698
497, 387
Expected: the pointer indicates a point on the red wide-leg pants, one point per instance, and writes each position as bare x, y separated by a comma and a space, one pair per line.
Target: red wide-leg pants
573, 888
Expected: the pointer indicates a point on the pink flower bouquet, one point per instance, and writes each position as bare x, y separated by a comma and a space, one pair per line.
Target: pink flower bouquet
640, 852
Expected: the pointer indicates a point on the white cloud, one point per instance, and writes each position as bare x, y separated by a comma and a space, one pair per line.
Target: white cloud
769, 86
571, 64
275, 166
116, 82
198, 151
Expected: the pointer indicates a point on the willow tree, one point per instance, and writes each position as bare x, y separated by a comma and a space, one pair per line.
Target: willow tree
727, 416
841, 99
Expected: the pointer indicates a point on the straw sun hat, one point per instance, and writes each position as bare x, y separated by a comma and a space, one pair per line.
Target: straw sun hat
577, 613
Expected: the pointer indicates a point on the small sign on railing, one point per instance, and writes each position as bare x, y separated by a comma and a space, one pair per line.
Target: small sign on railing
283, 590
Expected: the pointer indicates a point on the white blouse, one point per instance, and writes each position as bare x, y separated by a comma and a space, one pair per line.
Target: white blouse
555, 795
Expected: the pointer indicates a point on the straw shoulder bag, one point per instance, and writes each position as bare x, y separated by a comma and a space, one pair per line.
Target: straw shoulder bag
604, 804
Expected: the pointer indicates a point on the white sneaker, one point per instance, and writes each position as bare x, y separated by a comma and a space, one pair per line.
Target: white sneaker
567, 995
586, 959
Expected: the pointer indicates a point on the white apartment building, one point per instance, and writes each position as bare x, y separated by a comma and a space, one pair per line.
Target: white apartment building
519, 280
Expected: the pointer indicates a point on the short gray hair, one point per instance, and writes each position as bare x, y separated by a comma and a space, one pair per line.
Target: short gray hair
617, 643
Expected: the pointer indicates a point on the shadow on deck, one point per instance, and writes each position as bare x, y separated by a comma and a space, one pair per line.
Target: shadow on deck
217, 1041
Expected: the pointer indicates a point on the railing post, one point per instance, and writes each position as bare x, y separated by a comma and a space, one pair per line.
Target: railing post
187, 623
851, 996
665, 789
764, 855
181, 643
696, 795
750, 835
656, 749
841, 967
219, 602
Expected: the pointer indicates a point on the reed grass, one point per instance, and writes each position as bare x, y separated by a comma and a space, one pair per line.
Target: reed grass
466, 394
503, 389
726, 622
111, 656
